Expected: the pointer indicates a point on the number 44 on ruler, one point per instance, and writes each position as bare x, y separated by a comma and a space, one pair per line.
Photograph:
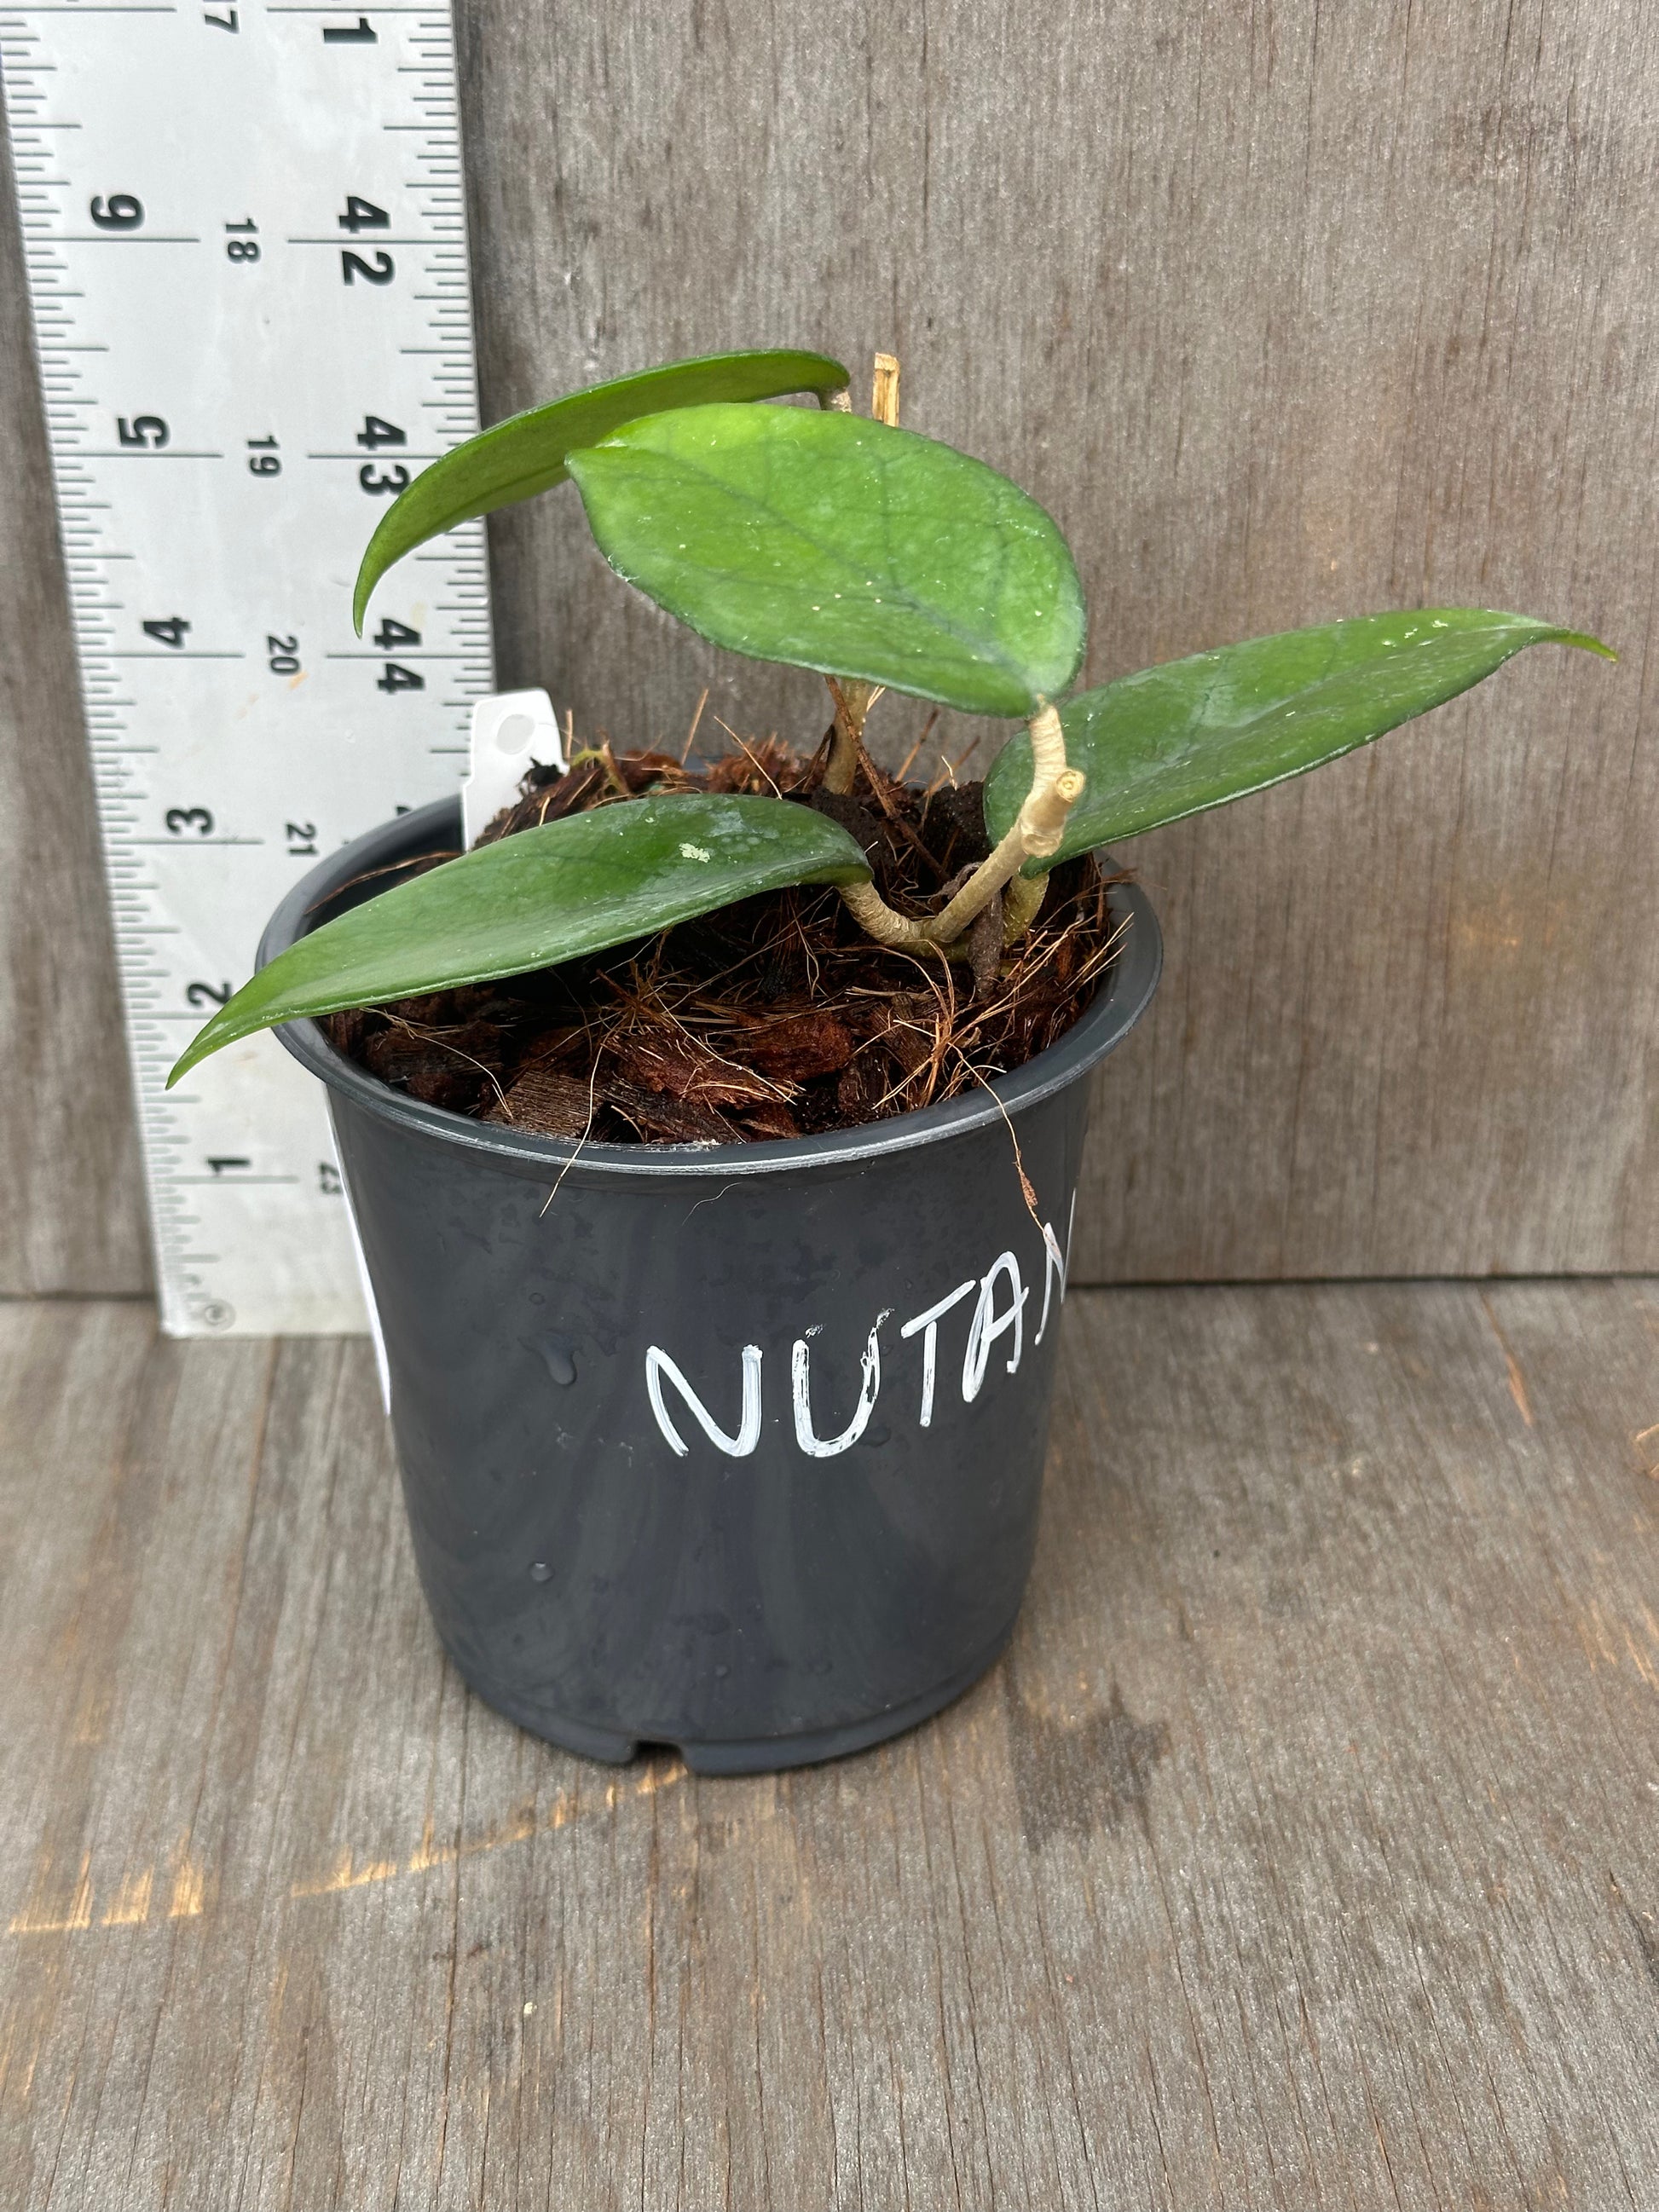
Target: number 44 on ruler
247, 261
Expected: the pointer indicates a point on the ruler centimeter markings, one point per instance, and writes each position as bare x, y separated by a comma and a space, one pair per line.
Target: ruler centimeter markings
246, 250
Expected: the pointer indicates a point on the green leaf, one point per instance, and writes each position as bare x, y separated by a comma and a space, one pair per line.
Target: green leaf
1195, 733
839, 545
580, 885
525, 455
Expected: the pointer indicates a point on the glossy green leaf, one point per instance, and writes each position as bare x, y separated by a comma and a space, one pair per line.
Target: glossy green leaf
1195, 733
525, 455
838, 544
580, 885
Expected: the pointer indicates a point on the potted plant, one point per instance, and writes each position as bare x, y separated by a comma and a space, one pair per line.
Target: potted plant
714, 1144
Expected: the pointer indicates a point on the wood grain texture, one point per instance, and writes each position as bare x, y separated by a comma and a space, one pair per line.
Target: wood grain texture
1287, 312
71, 1199
1299, 1854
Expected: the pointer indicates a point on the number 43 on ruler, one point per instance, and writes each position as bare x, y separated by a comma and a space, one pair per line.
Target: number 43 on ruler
247, 261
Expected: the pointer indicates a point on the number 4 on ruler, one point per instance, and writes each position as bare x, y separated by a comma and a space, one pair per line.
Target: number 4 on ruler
162, 463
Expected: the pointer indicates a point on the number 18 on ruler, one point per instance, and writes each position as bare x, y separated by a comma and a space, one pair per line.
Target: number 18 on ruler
247, 260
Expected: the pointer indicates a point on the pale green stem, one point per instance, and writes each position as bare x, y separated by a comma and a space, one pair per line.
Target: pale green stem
853, 698
1037, 832
1021, 903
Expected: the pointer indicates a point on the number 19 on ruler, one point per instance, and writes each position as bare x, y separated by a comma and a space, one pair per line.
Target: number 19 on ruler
247, 262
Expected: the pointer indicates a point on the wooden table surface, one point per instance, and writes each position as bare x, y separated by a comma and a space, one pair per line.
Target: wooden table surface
1304, 1851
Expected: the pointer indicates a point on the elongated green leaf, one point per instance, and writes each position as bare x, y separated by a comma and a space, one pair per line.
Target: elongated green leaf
1195, 733
839, 545
525, 455
580, 885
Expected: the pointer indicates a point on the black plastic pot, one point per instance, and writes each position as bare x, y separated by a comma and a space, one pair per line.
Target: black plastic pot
686, 1460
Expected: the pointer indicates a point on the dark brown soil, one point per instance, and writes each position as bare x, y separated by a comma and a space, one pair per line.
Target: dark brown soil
775, 1017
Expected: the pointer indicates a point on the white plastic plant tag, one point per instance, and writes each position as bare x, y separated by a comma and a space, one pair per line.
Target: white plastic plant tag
382, 1365
510, 729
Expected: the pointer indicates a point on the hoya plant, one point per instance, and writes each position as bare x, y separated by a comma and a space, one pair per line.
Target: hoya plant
883, 560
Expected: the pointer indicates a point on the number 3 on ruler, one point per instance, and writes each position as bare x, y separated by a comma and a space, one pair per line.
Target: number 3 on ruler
364, 161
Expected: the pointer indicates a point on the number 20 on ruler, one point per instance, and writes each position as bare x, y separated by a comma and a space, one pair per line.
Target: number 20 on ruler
124, 211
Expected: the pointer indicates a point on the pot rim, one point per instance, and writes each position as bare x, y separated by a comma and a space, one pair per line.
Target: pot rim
1115, 1008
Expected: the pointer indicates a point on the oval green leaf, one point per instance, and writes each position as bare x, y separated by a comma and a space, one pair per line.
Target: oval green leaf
838, 544
580, 885
1195, 733
525, 455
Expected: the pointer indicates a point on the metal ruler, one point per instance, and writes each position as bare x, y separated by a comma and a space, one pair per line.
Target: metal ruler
246, 250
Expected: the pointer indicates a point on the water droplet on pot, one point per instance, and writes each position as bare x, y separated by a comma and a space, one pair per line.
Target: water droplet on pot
540, 1572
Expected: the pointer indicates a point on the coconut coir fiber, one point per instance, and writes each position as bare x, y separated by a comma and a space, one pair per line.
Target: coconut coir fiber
774, 1017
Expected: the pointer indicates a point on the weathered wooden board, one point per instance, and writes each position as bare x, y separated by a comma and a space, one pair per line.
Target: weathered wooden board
1301, 1853
1286, 312
71, 1199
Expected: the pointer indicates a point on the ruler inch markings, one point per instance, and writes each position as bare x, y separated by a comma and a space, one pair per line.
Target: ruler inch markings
232, 716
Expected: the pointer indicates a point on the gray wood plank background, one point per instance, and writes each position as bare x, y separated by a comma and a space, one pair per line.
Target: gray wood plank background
1299, 1854
71, 1199
1288, 312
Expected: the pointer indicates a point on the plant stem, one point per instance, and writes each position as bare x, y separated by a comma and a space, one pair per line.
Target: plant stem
853, 698
885, 923
1021, 903
1037, 832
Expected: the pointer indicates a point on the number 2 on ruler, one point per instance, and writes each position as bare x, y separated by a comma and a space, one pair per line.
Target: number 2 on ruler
201, 442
